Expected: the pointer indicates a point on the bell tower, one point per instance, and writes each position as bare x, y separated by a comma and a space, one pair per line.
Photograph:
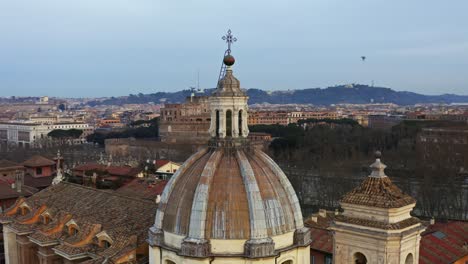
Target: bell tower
228, 103
376, 225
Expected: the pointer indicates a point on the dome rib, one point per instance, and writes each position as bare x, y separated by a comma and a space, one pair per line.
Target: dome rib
200, 201
279, 212
258, 226
158, 221
287, 187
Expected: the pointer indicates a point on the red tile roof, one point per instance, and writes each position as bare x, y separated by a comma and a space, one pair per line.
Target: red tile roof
112, 170
378, 192
143, 188
6, 192
6, 164
38, 182
38, 161
160, 163
444, 243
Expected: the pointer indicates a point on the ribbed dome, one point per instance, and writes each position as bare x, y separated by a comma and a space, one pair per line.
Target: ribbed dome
230, 193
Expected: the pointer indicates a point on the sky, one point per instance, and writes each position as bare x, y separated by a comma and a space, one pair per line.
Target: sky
89, 48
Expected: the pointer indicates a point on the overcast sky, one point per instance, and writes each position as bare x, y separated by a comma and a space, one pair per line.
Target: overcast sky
116, 47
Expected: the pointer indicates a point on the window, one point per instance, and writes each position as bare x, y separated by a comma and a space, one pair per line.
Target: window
409, 259
105, 244
24, 210
287, 262
359, 258
240, 123
217, 123
72, 230
328, 260
38, 171
229, 123
170, 262
45, 219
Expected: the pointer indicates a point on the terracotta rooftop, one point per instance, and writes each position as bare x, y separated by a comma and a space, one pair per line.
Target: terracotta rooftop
38, 161
112, 170
6, 164
38, 182
143, 188
124, 219
322, 237
444, 243
6, 192
377, 190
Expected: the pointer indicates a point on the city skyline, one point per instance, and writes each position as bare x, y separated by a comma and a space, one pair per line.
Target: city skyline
89, 49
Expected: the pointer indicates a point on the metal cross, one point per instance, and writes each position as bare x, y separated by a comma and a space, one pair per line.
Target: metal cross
229, 38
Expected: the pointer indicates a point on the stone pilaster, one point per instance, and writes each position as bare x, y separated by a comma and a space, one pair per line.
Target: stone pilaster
11, 250
27, 250
195, 248
259, 248
302, 237
155, 237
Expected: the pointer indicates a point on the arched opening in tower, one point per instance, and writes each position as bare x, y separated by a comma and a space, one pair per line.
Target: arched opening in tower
359, 258
229, 123
217, 123
240, 123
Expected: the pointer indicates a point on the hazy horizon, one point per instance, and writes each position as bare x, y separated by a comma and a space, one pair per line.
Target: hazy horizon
85, 48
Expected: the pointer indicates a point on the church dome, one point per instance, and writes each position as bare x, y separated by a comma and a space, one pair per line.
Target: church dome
229, 199
230, 193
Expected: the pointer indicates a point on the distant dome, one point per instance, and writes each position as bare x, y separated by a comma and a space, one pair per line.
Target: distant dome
229, 60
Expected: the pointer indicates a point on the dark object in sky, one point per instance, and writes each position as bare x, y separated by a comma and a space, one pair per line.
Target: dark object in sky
229, 60
363, 58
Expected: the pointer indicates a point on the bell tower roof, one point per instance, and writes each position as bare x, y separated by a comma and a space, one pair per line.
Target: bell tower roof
229, 85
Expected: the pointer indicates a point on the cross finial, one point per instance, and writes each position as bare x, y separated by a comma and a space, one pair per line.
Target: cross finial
229, 38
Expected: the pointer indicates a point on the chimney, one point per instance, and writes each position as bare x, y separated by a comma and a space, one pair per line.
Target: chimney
19, 180
314, 218
323, 213
337, 212
432, 221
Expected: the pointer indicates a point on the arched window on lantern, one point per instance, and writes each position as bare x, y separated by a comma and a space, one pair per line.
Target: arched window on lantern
229, 123
240, 122
409, 259
359, 258
217, 123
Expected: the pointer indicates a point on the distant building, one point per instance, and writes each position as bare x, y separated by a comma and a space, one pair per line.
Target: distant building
29, 133
39, 166
166, 168
268, 118
447, 145
187, 122
384, 122
104, 176
8, 169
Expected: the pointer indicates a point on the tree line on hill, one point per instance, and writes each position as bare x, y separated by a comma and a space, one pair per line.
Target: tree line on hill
355, 94
325, 159
137, 129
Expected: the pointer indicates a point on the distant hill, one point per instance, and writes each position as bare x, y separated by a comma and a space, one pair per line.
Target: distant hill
357, 94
